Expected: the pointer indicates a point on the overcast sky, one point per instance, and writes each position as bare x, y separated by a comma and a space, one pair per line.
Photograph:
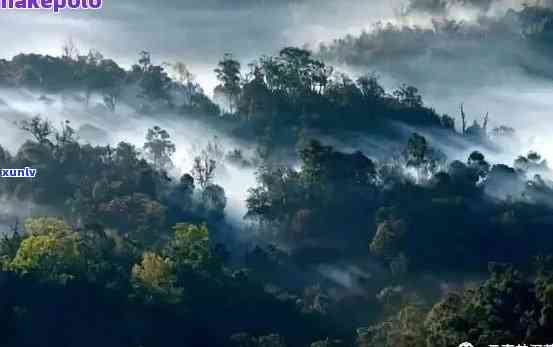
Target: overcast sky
197, 32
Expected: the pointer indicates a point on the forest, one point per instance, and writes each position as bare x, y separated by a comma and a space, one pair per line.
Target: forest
395, 242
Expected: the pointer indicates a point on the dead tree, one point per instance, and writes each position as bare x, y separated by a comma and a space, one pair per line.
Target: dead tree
485, 122
464, 121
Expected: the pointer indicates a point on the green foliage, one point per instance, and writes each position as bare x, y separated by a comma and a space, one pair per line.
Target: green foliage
9, 245
138, 215
387, 241
154, 280
190, 248
328, 343
154, 81
52, 250
507, 307
246, 340
321, 213
47, 226
45, 72
405, 329
202, 105
444, 324
102, 76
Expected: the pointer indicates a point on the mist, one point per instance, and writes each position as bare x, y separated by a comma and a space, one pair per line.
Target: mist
352, 209
486, 61
97, 126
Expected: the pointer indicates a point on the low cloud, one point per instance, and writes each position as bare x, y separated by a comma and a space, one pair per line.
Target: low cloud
499, 64
444, 6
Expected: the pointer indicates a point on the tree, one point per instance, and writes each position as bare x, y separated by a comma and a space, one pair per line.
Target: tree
343, 92
94, 57
190, 248
214, 200
504, 132
280, 193
136, 216
323, 164
417, 150
69, 50
448, 122
126, 157
52, 251
301, 72
155, 84
184, 76
409, 96
478, 162
40, 129
328, 343
145, 60
295, 74
370, 87
182, 194
246, 340
532, 162
110, 82
315, 157
154, 280
187, 81
186, 184
202, 105
507, 307
46, 226
255, 98
110, 97
315, 300
9, 245
228, 74
65, 136
463, 120
405, 329
387, 241
203, 170
159, 148
89, 72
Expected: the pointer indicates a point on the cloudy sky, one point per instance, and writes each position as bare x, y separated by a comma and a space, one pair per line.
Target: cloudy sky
197, 32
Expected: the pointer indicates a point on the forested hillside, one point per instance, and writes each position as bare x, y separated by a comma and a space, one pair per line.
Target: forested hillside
373, 220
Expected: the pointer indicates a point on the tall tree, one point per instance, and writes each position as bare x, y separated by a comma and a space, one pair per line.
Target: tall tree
203, 170
145, 60
159, 148
228, 74
186, 80
40, 129
69, 50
